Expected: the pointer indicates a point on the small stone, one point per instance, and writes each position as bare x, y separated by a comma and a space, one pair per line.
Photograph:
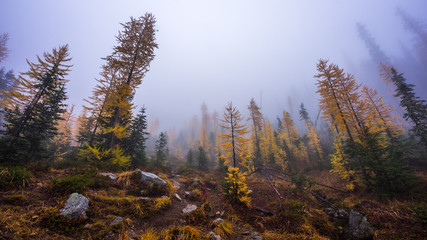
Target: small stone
196, 181
341, 213
213, 236
246, 233
187, 194
112, 176
211, 215
116, 221
176, 183
88, 225
329, 211
178, 197
217, 213
217, 221
255, 236
189, 208
132, 235
142, 192
222, 214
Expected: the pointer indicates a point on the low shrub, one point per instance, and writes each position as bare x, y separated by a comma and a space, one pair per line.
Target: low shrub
78, 183
421, 215
186, 232
198, 216
14, 177
18, 199
53, 220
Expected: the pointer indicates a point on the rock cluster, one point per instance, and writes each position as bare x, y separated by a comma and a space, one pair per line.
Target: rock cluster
75, 206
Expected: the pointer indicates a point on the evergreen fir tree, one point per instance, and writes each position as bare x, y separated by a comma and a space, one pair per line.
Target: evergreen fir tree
33, 106
190, 160
135, 143
161, 145
202, 158
415, 108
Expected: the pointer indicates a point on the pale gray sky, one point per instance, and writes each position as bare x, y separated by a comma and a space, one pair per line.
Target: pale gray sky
210, 51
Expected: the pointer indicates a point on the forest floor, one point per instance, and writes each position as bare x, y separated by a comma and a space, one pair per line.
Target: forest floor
31, 211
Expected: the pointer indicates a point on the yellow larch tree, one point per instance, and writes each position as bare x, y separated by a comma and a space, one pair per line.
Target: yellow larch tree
271, 154
203, 136
337, 102
295, 150
123, 71
60, 143
380, 117
313, 137
257, 121
234, 148
355, 115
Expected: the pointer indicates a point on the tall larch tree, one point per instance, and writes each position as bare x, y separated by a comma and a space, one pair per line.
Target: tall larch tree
6, 78
4, 37
203, 135
293, 145
313, 137
161, 145
419, 30
380, 117
334, 103
257, 121
34, 104
121, 74
234, 149
357, 118
271, 153
60, 144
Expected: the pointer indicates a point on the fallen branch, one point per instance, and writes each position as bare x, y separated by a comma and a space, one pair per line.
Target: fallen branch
266, 174
270, 173
289, 175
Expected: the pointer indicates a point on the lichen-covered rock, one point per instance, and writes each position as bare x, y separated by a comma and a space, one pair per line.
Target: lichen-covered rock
217, 221
255, 236
359, 226
196, 182
213, 236
116, 221
151, 178
112, 176
189, 208
75, 206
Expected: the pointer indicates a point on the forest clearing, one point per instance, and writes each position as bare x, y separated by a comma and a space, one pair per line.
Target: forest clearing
352, 168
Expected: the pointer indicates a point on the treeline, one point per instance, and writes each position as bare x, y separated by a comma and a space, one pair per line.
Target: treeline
38, 126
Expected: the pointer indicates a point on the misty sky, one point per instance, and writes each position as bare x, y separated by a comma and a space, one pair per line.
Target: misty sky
210, 51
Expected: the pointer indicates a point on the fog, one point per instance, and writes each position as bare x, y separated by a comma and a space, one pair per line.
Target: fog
214, 52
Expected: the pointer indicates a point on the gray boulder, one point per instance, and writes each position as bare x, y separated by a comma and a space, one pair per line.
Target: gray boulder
213, 236
112, 176
189, 208
359, 227
75, 206
255, 236
151, 177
